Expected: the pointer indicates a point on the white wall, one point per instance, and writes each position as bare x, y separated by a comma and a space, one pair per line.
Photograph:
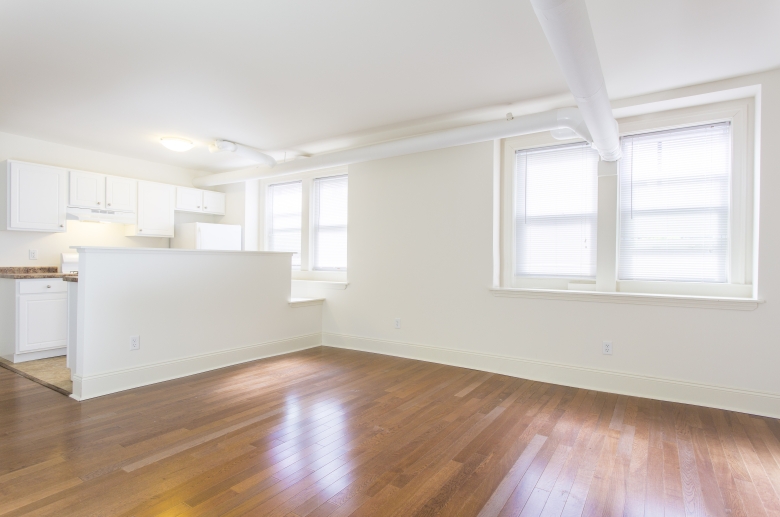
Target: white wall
193, 310
420, 249
242, 207
14, 245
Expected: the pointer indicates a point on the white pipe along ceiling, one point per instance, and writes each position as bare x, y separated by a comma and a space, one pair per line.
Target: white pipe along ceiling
567, 27
242, 150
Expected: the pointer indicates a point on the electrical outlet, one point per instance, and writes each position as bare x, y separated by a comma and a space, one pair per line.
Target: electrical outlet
398, 323
135, 342
33, 254
606, 347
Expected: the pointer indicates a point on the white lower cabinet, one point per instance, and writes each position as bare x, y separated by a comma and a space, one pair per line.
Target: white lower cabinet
43, 321
39, 326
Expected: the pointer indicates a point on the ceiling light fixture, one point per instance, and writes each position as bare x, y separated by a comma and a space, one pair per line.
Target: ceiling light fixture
176, 144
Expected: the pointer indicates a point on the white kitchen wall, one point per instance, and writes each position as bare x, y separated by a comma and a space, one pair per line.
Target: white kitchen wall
14, 245
420, 249
242, 205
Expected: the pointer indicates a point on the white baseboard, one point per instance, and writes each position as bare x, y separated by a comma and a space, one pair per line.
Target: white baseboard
88, 387
745, 401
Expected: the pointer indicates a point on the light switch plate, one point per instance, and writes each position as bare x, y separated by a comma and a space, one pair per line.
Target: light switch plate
33, 254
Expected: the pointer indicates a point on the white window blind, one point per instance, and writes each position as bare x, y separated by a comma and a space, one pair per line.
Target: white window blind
556, 202
674, 205
284, 219
329, 228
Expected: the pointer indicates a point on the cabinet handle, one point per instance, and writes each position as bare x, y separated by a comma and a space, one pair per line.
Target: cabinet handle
140, 230
109, 204
205, 207
98, 202
197, 206
62, 226
48, 287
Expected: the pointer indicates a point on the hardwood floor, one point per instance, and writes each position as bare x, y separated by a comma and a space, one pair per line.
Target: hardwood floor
334, 432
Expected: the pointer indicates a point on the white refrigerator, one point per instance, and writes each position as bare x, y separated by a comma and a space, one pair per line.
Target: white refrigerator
207, 236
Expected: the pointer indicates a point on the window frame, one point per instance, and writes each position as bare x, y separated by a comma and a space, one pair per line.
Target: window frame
267, 233
510, 147
314, 226
545, 278
740, 113
306, 271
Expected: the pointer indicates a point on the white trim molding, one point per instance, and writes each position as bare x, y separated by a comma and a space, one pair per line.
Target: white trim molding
701, 302
91, 386
731, 399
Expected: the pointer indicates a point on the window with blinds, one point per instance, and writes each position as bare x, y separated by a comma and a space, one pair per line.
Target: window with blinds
556, 202
674, 205
283, 218
329, 224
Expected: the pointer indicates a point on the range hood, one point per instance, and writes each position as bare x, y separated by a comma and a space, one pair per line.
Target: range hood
100, 216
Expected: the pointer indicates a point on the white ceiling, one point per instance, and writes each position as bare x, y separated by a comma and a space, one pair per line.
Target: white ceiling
287, 74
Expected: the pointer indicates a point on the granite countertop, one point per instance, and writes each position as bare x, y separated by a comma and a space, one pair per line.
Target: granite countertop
71, 278
27, 272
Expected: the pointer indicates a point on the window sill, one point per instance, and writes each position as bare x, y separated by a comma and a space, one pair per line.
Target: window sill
305, 302
322, 283
703, 302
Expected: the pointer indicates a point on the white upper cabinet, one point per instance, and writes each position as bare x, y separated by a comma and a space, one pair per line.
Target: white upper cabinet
121, 194
189, 199
156, 203
36, 197
91, 190
213, 202
87, 190
196, 200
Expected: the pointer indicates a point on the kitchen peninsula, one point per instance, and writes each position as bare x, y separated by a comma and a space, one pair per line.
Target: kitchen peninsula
144, 315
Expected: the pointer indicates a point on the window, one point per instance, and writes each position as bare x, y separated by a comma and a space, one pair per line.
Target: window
675, 216
329, 224
284, 215
307, 214
556, 198
674, 205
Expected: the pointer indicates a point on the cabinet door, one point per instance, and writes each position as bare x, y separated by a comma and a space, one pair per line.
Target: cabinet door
190, 199
43, 321
121, 194
156, 202
37, 197
213, 202
87, 190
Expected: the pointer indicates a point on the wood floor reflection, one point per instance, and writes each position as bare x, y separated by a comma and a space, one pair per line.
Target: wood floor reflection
335, 432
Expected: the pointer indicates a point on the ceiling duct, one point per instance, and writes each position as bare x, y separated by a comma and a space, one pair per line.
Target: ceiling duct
569, 118
250, 153
567, 27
